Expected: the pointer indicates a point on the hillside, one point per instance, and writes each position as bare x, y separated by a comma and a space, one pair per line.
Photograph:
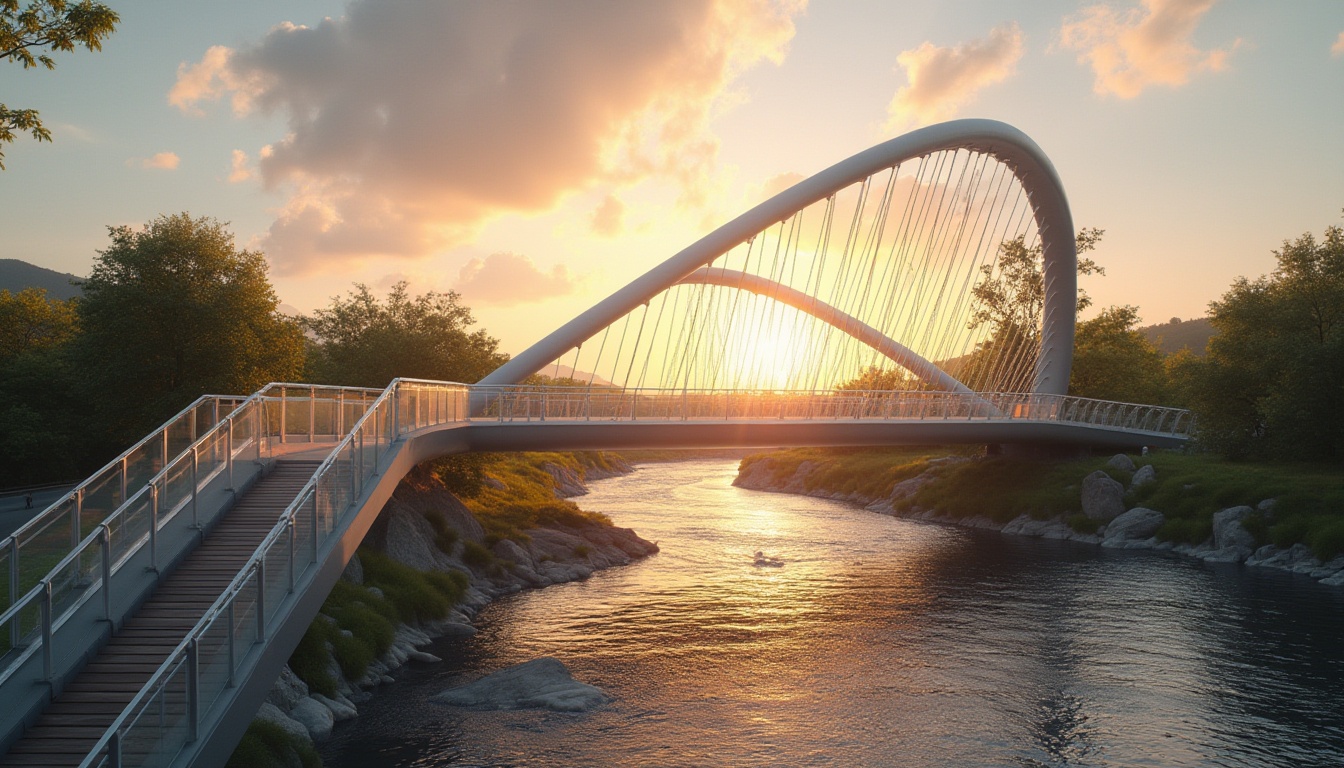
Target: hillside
1174, 336
16, 275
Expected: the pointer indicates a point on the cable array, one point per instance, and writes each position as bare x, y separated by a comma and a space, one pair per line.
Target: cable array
901, 251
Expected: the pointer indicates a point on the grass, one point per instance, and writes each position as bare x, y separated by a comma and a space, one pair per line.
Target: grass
267, 745
1189, 489
868, 471
527, 496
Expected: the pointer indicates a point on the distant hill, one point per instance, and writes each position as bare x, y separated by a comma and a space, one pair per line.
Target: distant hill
16, 275
1176, 335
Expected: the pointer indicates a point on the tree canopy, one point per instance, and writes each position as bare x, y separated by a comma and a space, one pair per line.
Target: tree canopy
38, 407
1272, 382
362, 341
174, 311
27, 34
1112, 360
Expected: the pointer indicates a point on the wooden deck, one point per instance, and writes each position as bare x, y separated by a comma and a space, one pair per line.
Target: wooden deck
74, 722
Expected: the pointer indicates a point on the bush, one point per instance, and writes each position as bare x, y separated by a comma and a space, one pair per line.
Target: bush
415, 595
1185, 530
1082, 523
445, 536
310, 657
267, 745
1327, 540
477, 556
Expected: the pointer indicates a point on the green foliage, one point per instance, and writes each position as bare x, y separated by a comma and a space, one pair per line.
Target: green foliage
875, 379
1114, 361
527, 496
445, 536
310, 657
1010, 300
870, 472
362, 341
477, 556
1272, 383
415, 595
1082, 523
39, 408
174, 311
462, 474
267, 745
1186, 530
46, 25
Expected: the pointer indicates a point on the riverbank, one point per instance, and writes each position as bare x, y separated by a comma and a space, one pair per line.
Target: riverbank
1124, 502
430, 563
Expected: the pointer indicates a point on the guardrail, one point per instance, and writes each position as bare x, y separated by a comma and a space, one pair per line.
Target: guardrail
524, 403
167, 712
85, 564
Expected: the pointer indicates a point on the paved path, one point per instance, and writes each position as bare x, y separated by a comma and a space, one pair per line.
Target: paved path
12, 511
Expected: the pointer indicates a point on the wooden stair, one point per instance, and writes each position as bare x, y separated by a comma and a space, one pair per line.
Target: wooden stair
89, 704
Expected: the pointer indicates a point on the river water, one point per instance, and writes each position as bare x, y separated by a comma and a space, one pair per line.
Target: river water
881, 642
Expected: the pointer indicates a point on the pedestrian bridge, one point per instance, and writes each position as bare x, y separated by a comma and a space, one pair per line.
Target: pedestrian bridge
921, 292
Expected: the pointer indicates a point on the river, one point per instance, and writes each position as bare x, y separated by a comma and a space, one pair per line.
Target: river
880, 642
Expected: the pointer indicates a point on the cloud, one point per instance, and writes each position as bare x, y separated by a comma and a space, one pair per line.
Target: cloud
507, 279
1338, 48
484, 109
609, 217
165, 161
1133, 49
240, 170
939, 80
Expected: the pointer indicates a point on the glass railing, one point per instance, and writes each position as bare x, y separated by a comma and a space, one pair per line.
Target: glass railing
68, 553
168, 711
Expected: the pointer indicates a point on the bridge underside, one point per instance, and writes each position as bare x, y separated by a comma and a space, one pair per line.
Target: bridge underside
553, 435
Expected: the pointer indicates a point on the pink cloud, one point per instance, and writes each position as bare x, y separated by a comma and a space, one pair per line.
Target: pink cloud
941, 79
163, 161
1133, 49
507, 279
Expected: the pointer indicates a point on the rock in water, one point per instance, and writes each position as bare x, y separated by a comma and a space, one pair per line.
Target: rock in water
538, 684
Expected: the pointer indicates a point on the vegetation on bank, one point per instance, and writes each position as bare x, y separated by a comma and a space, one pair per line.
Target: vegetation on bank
267, 745
1190, 488
507, 493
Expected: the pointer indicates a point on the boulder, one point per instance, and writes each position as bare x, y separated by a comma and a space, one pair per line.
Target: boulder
354, 571
1143, 476
1136, 524
542, 683
287, 691
567, 482
1121, 462
1228, 531
408, 538
342, 709
269, 713
315, 717
1102, 498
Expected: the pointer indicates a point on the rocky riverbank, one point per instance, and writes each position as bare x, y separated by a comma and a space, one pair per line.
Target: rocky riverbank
429, 529
1100, 498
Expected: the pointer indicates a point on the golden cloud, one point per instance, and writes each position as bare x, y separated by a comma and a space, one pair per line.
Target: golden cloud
942, 79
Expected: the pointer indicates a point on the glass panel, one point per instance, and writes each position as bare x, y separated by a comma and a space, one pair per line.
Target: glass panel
130, 528
159, 729
212, 653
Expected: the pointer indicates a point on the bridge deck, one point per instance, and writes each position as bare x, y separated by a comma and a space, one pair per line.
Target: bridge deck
88, 705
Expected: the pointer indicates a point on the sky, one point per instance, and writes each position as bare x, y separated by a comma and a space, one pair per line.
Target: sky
535, 157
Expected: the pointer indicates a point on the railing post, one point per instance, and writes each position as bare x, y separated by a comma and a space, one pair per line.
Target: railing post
340, 412
76, 513
291, 537
195, 467
106, 547
312, 413
164, 451
13, 589
154, 526
261, 600
316, 537
282, 415
123, 479
193, 690
228, 453
396, 414
114, 749
46, 630
214, 412
233, 644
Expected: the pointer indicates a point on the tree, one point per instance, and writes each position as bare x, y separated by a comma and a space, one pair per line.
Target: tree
875, 379
38, 406
1272, 382
1011, 304
50, 25
362, 341
175, 311
1114, 361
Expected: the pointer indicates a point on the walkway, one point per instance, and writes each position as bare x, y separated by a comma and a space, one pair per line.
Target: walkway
88, 705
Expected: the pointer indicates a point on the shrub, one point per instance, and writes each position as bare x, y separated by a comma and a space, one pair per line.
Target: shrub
1185, 530
1327, 540
477, 556
267, 745
1082, 523
309, 659
416, 596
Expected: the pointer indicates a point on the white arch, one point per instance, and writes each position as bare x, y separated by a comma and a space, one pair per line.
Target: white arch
1003, 142
893, 350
